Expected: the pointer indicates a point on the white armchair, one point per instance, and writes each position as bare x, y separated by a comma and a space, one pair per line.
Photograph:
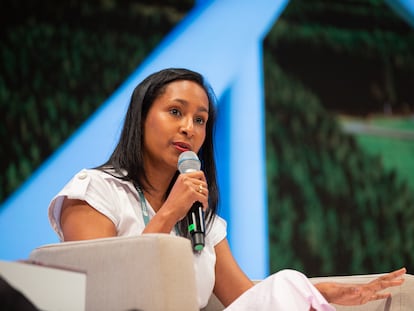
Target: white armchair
155, 272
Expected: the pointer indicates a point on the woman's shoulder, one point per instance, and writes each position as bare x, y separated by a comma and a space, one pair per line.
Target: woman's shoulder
92, 178
217, 230
106, 173
219, 221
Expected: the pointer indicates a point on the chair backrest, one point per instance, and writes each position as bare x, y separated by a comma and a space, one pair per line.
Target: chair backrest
147, 272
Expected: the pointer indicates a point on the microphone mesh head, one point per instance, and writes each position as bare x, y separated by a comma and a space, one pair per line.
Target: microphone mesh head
188, 162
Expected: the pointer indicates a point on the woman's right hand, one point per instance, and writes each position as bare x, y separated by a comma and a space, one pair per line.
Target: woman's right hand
188, 188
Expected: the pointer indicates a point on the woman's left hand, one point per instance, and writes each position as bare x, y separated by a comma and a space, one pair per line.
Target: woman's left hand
358, 294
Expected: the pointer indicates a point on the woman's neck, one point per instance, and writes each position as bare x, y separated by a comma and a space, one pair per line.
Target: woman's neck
156, 189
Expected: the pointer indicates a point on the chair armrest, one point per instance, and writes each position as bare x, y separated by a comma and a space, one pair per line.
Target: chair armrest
147, 272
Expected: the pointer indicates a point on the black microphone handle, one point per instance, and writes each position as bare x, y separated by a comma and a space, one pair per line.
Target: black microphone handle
195, 218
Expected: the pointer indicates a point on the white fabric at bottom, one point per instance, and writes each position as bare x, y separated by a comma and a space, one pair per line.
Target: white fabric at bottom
287, 290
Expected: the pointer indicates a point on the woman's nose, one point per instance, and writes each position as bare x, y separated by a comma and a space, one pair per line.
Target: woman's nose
187, 126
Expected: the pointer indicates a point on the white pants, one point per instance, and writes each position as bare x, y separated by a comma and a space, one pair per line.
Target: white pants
287, 290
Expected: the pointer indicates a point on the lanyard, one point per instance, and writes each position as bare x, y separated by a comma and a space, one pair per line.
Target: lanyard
144, 209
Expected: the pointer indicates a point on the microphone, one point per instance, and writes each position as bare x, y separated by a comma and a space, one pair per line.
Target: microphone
189, 162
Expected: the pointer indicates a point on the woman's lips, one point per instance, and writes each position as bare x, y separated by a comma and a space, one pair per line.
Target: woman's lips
182, 146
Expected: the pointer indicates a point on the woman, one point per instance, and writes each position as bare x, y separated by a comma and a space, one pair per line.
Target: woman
139, 190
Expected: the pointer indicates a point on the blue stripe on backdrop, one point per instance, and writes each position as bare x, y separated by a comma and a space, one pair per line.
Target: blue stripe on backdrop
404, 8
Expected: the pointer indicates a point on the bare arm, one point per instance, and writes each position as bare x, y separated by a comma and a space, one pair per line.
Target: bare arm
80, 221
231, 281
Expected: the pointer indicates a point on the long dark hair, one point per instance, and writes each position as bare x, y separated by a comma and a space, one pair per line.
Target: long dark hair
128, 154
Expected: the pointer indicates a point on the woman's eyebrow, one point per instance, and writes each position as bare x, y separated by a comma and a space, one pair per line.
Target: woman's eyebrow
185, 103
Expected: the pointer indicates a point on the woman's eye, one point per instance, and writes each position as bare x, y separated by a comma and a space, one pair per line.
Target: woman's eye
175, 111
200, 121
